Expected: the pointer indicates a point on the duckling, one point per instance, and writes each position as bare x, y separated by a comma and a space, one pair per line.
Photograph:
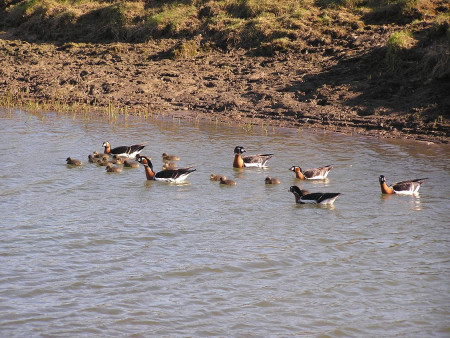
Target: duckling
169, 166
118, 159
103, 162
224, 180
406, 187
73, 161
91, 158
270, 180
214, 177
129, 164
113, 169
258, 160
167, 157
100, 156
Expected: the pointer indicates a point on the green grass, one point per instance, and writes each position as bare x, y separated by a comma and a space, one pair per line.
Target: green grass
397, 49
260, 26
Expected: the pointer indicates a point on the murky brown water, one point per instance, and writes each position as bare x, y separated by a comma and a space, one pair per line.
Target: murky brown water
88, 253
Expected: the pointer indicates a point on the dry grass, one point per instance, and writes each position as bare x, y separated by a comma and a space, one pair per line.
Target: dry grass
260, 26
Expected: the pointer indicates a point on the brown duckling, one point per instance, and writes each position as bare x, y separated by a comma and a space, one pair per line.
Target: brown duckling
224, 180
113, 169
118, 159
167, 157
100, 156
214, 177
169, 166
270, 180
130, 164
103, 162
73, 161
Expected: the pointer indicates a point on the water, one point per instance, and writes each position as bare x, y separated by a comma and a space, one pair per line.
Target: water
89, 253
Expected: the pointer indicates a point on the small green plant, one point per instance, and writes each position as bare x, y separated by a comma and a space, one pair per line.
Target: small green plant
396, 49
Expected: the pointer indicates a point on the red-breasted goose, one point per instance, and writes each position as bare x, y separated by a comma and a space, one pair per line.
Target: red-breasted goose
172, 176
320, 173
305, 197
258, 160
126, 151
405, 187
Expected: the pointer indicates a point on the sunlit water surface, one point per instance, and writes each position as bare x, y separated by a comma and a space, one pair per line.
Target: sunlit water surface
84, 252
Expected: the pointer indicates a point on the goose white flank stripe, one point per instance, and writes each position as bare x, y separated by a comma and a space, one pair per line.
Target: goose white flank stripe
320, 173
258, 160
172, 176
305, 197
405, 187
125, 151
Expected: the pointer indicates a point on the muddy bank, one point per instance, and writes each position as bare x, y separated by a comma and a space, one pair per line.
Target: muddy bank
337, 92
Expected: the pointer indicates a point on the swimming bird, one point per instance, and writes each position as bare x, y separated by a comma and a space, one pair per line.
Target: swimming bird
320, 173
73, 161
270, 180
169, 166
224, 180
129, 164
167, 157
258, 160
214, 177
100, 156
119, 159
113, 169
103, 162
405, 187
305, 197
127, 151
172, 176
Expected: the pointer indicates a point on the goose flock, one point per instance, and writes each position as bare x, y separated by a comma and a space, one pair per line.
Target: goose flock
115, 159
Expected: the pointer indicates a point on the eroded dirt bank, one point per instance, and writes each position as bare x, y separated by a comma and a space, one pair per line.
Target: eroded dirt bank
338, 92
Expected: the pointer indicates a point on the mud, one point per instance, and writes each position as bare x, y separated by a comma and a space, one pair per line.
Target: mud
328, 89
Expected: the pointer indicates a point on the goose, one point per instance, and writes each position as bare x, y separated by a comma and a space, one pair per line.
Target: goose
172, 176
320, 173
406, 187
305, 197
126, 151
258, 160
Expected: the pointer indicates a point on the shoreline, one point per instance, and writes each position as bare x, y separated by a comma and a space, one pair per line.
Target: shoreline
225, 87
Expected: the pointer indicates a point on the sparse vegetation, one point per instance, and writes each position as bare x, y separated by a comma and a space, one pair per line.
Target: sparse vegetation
397, 48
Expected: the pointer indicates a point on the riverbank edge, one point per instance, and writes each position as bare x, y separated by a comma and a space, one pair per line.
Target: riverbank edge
265, 124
